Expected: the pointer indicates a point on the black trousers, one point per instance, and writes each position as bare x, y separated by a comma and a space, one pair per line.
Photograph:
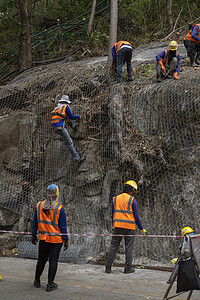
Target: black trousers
47, 251
192, 50
124, 54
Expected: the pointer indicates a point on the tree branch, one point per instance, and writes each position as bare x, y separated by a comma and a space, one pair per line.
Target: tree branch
178, 18
179, 29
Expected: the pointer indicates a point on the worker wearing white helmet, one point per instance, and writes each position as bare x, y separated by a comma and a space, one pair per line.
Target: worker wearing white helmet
124, 217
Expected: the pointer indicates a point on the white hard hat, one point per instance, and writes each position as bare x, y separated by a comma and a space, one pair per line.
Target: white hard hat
64, 100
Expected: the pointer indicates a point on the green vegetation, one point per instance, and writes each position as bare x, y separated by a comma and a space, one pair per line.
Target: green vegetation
139, 21
145, 70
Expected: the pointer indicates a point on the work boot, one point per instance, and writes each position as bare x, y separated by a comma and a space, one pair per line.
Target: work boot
191, 61
51, 287
36, 283
108, 270
79, 161
129, 270
197, 60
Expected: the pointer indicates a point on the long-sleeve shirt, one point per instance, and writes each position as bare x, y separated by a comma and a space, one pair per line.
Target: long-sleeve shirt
135, 213
69, 114
62, 224
194, 33
114, 54
161, 56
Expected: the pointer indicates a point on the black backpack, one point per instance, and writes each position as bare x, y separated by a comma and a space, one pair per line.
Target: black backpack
188, 275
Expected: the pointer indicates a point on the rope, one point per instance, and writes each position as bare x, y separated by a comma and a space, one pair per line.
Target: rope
91, 234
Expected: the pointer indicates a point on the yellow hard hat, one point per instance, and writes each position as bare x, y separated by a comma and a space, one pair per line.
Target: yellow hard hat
186, 230
173, 45
133, 184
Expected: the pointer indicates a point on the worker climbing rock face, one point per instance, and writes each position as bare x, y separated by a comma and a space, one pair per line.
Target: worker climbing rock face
168, 63
121, 53
192, 44
124, 217
49, 218
61, 117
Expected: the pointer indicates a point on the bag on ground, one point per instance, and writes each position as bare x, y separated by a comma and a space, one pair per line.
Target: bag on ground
188, 277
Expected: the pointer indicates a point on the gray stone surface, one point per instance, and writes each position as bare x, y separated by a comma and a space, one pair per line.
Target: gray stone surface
82, 282
142, 130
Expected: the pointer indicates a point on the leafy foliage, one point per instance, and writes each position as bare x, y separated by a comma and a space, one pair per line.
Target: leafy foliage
139, 21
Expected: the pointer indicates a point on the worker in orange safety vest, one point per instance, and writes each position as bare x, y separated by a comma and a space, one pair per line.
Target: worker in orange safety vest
192, 44
125, 217
61, 116
50, 221
121, 53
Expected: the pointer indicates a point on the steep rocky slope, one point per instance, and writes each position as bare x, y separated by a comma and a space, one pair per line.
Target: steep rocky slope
145, 131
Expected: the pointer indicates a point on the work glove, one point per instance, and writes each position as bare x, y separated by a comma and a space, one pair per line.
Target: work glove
143, 231
176, 75
162, 66
65, 245
173, 261
34, 239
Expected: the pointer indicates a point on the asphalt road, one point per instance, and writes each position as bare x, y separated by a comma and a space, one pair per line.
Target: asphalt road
82, 282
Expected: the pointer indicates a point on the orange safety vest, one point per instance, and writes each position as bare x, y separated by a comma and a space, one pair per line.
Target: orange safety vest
48, 223
189, 37
123, 212
59, 115
165, 59
119, 44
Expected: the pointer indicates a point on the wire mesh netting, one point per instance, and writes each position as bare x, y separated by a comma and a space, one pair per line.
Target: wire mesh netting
145, 132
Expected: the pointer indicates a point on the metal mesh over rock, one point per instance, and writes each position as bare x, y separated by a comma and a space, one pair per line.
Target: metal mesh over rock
143, 131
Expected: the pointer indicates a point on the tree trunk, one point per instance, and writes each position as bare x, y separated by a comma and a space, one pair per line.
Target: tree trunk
114, 142
25, 41
169, 16
113, 30
92, 16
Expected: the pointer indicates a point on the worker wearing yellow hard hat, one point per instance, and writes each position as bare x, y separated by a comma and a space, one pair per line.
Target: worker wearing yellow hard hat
168, 63
124, 219
184, 231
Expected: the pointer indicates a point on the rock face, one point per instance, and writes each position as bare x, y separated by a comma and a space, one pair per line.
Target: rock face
144, 131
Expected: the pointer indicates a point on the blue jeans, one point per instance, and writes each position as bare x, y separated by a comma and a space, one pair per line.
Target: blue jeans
68, 141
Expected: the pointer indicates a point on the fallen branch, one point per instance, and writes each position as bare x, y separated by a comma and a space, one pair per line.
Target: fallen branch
179, 29
178, 18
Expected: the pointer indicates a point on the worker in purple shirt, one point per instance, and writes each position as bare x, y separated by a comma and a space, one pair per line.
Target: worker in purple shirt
61, 116
124, 219
192, 44
168, 63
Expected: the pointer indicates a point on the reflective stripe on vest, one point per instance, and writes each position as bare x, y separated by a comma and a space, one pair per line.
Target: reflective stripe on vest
124, 218
189, 37
165, 59
59, 115
48, 222
50, 225
119, 44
